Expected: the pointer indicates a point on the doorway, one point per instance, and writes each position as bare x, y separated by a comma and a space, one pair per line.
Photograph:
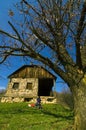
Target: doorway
45, 86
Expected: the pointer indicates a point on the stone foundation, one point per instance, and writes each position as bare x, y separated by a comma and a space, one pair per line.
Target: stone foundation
44, 99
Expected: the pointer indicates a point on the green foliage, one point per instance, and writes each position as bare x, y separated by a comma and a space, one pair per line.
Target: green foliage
66, 98
18, 116
2, 92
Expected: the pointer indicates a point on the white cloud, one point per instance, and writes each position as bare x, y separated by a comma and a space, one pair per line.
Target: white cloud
2, 87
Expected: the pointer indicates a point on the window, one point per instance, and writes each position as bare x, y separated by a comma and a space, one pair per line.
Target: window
15, 85
29, 86
27, 99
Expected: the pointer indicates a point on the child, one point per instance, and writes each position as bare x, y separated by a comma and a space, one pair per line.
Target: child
38, 103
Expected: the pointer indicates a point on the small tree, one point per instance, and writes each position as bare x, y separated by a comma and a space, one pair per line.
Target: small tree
67, 98
2, 92
54, 33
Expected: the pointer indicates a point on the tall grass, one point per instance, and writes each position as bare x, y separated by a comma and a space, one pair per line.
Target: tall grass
18, 116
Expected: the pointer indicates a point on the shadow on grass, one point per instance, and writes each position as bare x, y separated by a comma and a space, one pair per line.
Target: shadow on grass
60, 115
55, 111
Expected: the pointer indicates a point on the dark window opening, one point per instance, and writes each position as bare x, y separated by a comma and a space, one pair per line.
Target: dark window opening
50, 99
45, 87
27, 99
29, 86
15, 85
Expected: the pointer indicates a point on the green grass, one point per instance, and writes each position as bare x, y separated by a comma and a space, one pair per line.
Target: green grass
18, 116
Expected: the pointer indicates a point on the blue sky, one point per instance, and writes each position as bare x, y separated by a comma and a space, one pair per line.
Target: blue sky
5, 5
6, 70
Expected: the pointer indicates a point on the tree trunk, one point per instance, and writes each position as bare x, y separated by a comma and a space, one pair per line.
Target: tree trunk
79, 93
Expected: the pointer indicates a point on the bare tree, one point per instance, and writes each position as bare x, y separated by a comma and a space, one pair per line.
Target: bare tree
54, 33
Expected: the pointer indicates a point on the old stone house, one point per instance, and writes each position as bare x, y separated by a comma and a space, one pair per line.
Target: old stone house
28, 82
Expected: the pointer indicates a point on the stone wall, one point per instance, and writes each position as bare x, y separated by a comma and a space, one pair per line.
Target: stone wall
22, 94
19, 94
44, 100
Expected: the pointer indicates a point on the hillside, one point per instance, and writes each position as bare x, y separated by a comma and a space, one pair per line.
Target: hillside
18, 116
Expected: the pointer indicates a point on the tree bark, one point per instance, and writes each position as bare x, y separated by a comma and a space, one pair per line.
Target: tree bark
80, 105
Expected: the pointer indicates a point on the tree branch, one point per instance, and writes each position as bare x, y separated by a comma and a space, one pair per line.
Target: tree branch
79, 32
9, 35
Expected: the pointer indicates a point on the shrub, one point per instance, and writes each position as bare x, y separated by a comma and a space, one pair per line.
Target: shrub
2, 92
67, 98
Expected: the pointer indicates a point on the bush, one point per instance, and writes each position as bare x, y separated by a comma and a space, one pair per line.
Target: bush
67, 98
2, 92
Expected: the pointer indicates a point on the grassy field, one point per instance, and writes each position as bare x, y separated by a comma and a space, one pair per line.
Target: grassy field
18, 116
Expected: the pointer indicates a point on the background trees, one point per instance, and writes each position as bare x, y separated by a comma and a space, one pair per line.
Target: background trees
54, 33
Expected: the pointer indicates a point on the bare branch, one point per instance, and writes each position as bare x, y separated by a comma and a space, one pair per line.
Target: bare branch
9, 35
79, 32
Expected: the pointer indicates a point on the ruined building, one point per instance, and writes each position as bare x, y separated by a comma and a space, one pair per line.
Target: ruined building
28, 82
